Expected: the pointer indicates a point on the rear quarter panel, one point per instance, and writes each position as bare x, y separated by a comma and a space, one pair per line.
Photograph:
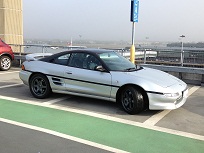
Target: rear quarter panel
52, 71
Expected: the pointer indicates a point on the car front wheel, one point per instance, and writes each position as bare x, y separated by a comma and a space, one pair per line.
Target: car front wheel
5, 63
132, 100
39, 86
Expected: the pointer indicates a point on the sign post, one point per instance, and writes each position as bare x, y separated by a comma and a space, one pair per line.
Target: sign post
133, 19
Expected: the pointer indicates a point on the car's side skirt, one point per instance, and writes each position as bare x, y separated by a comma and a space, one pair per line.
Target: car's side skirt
84, 95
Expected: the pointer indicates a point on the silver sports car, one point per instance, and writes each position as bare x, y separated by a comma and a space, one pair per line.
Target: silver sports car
104, 74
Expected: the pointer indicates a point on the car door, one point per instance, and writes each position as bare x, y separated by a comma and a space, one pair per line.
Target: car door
83, 78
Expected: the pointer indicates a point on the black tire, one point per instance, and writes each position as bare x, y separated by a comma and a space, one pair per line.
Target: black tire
5, 63
132, 100
39, 86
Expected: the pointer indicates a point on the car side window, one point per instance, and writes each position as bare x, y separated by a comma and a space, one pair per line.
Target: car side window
92, 62
77, 60
84, 61
61, 60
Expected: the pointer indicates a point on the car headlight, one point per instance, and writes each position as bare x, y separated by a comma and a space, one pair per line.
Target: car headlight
172, 94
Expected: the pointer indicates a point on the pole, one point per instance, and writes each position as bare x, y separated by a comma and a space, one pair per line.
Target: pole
132, 49
20, 62
182, 52
43, 49
145, 53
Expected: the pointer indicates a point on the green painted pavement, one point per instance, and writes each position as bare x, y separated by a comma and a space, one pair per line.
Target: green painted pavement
118, 135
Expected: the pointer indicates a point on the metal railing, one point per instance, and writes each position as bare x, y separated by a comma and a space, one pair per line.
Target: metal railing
145, 56
186, 59
174, 58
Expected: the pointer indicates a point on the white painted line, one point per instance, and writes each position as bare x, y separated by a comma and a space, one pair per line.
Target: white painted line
156, 118
107, 117
12, 85
55, 100
192, 90
153, 120
9, 72
90, 143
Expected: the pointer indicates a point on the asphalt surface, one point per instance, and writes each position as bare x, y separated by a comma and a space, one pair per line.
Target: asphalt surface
188, 119
15, 139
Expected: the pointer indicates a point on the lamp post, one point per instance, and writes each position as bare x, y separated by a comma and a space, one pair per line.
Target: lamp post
182, 51
145, 49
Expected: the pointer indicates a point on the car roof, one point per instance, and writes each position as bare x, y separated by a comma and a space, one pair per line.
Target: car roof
86, 50
93, 50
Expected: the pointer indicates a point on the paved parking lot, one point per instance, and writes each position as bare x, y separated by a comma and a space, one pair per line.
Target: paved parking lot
186, 122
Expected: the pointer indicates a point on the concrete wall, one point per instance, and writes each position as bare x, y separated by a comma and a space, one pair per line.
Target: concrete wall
11, 22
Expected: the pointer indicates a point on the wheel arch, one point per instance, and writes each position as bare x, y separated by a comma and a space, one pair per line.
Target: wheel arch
6, 54
34, 73
144, 93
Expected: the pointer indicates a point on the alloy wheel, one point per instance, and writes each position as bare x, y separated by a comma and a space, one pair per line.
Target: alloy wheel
5, 63
39, 86
128, 100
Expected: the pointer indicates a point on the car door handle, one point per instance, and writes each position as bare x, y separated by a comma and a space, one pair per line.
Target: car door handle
69, 72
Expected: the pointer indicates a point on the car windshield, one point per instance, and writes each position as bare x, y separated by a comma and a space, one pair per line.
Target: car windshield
116, 62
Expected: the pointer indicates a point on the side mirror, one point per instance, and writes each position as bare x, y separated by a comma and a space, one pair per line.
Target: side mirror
100, 68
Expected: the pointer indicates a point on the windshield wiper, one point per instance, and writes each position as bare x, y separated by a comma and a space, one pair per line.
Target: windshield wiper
133, 69
130, 69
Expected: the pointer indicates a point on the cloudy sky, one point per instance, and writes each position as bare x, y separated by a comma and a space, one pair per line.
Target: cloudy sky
159, 20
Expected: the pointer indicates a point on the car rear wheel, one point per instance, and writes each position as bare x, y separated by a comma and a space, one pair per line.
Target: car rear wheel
40, 86
132, 100
5, 63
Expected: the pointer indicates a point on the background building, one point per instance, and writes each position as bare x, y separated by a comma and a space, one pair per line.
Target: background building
11, 22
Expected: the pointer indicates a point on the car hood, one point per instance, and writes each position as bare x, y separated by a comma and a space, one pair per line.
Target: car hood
158, 77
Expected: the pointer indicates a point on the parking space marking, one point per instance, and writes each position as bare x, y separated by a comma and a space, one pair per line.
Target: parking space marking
157, 117
65, 136
10, 72
50, 102
192, 90
12, 85
107, 117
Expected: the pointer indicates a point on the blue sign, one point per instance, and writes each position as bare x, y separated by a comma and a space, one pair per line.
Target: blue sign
134, 10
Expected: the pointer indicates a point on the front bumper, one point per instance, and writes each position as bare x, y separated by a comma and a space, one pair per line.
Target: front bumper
160, 102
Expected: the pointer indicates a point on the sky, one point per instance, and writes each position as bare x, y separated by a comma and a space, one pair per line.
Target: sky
109, 20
